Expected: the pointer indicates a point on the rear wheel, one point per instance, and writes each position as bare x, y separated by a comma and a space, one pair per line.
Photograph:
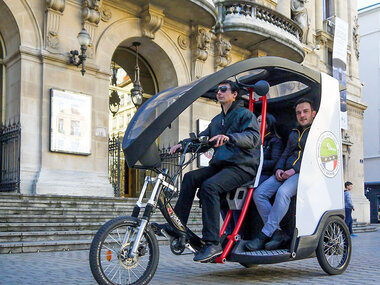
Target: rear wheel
334, 247
110, 262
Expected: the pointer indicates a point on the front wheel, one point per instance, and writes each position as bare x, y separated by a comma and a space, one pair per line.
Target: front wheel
334, 247
110, 262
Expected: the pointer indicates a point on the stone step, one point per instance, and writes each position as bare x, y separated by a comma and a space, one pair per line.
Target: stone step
67, 218
58, 235
53, 210
66, 226
46, 236
67, 204
55, 198
364, 229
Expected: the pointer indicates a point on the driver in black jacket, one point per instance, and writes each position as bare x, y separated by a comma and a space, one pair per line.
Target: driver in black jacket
235, 161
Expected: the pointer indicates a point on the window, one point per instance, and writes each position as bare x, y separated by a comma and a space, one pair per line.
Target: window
61, 126
121, 121
328, 9
329, 57
75, 128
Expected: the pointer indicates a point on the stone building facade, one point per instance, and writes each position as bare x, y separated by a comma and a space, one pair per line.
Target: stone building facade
181, 40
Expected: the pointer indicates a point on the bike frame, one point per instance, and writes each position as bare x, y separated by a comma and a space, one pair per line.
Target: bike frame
158, 196
232, 238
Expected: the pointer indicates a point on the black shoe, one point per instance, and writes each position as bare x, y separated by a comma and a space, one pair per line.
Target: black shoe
208, 251
158, 228
257, 243
279, 238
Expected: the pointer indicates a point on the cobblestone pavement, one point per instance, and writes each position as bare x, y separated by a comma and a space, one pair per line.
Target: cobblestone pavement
72, 268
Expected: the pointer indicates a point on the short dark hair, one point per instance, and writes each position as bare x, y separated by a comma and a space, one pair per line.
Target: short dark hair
233, 85
305, 100
348, 183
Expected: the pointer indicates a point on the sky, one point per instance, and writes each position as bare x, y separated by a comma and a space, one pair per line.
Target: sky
365, 3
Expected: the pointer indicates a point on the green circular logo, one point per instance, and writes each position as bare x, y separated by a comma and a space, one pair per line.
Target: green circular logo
328, 154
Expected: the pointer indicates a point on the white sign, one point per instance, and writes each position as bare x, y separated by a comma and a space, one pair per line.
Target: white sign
70, 122
204, 159
339, 65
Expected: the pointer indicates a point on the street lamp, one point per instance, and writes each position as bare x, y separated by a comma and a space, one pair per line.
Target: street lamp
114, 99
137, 91
77, 59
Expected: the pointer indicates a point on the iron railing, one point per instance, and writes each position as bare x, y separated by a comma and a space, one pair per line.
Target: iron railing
10, 142
118, 172
114, 165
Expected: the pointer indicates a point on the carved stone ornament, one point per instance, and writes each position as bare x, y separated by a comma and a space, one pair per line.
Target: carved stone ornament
106, 14
356, 37
53, 13
222, 48
183, 42
152, 19
90, 11
300, 16
203, 39
56, 5
52, 40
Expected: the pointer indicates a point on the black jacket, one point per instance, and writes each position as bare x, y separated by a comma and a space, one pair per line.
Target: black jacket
273, 148
292, 155
242, 150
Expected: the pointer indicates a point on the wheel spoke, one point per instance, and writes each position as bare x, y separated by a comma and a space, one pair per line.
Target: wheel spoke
124, 270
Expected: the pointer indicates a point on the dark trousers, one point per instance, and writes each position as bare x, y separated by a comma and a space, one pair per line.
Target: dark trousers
348, 219
212, 182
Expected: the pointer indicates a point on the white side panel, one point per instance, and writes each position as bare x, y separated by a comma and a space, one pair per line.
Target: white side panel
320, 186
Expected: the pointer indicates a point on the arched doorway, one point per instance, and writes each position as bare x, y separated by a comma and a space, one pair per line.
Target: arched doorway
126, 182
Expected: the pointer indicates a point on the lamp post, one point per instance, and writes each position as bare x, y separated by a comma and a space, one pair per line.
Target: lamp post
137, 91
114, 99
79, 59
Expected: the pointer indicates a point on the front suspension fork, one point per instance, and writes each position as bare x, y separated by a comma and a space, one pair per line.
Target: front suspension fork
150, 205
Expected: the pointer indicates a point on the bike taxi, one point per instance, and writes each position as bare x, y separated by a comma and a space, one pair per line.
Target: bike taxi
125, 249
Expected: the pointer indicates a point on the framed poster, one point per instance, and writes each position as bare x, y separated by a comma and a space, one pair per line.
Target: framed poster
204, 159
70, 122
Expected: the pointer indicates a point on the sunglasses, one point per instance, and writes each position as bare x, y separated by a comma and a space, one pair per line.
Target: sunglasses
222, 89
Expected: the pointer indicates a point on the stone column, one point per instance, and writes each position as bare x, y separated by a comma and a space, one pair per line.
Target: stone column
283, 7
318, 15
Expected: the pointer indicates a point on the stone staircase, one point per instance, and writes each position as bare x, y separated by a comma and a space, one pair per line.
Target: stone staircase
31, 223
362, 227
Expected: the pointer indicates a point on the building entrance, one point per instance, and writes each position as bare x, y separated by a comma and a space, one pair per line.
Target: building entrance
126, 182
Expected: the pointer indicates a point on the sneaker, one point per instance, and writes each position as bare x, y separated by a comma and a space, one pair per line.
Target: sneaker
279, 239
208, 251
354, 235
257, 243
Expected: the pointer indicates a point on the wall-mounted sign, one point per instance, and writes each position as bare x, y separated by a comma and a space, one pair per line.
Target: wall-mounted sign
70, 122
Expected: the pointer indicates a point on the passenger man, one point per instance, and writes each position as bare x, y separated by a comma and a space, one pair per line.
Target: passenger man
235, 162
283, 184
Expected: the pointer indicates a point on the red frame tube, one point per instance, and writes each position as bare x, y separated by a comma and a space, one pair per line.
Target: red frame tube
232, 238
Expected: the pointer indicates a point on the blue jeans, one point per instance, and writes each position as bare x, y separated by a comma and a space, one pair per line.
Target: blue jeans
284, 191
348, 218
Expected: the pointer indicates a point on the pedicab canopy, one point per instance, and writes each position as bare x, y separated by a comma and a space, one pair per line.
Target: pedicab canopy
153, 117
320, 186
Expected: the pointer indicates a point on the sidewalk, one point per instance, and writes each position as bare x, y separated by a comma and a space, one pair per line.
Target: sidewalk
72, 268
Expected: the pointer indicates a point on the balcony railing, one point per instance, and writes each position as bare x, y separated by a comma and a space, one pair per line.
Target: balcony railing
249, 23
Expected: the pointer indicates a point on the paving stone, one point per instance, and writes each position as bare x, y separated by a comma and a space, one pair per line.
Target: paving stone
71, 267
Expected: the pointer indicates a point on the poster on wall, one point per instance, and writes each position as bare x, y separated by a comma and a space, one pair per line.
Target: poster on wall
70, 122
204, 158
339, 65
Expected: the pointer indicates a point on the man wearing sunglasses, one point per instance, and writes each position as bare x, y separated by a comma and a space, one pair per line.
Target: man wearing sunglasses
235, 161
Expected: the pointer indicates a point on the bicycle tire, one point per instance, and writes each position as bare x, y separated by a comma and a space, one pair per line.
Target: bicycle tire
100, 243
